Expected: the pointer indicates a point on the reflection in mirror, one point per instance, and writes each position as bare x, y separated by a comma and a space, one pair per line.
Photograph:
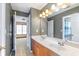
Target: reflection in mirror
50, 28
71, 27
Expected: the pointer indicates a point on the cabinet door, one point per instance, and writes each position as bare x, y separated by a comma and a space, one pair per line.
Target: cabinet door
37, 51
33, 47
43, 51
51, 53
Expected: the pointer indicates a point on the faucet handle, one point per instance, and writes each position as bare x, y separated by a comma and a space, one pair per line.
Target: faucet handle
61, 43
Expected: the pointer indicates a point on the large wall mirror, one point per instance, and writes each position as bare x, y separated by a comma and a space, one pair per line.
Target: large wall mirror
71, 28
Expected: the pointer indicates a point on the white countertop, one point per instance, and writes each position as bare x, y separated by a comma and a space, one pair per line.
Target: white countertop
52, 44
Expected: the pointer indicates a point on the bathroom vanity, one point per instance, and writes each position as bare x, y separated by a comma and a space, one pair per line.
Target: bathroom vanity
40, 50
49, 47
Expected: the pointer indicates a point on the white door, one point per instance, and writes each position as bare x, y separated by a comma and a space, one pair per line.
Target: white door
75, 27
50, 28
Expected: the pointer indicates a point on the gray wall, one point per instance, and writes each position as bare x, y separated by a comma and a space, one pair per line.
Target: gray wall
58, 21
38, 23
7, 23
44, 25
35, 21
44, 20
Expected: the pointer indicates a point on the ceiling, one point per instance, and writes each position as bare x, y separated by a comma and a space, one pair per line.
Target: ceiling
25, 7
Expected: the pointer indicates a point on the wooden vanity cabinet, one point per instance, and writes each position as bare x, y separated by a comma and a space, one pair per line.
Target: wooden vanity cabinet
39, 50
51, 53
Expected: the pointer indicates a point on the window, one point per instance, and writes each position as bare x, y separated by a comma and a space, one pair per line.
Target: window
21, 29
67, 29
24, 29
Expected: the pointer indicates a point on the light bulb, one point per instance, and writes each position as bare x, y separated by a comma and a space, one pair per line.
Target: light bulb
64, 6
53, 7
43, 13
40, 15
57, 9
50, 12
46, 11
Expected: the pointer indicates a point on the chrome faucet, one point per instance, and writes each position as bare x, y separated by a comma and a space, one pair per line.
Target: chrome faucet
61, 43
43, 37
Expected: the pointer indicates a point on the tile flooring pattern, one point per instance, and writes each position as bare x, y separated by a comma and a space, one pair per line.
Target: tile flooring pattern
21, 48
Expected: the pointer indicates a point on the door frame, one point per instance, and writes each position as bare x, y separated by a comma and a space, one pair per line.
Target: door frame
53, 27
14, 33
29, 38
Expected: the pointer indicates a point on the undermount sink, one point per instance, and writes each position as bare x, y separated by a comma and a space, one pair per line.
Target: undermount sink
43, 37
52, 43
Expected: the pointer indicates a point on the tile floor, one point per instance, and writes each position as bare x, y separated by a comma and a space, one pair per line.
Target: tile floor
21, 48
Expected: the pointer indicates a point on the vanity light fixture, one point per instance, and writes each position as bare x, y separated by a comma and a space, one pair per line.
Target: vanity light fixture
40, 15
62, 5
46, 15
50, 12
57, 9
59, 4
53, 7
43, 13
46, 11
